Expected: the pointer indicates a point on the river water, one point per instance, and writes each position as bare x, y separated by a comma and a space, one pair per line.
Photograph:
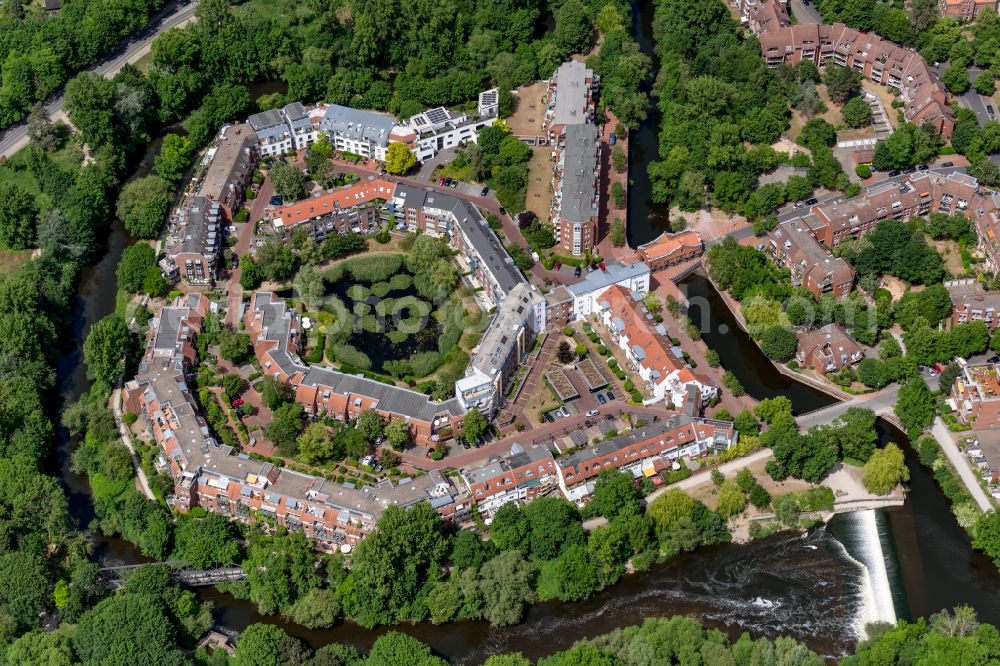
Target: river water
819, 587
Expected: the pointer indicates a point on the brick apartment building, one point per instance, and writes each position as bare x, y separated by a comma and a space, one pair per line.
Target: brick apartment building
963, 10
924, 97
970, 302
668, 249
828, 349
793, 244
356, 207
196, 226
798, 243
975, 396
575, 183
193, 242
275, 333
519, 476
213, 476
642, 451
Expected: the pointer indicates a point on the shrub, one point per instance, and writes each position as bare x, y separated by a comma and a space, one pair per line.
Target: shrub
350, 355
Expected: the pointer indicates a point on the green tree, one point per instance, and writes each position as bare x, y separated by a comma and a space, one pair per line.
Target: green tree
132, 268
18, 211
206, 542
319, 608
857, 113
399, 159
856, 433
104, 349
235, 347
505, 585
956, 79
985, 84
397, 434
474, 426
915, 406
371, 425
398, 649
779, 343
884, 470
670, 507
174, 158
283, 430
613, 495
731, 499
143, 206
841, 83
267, 645
289, 182
746, 423
987, 535
574, 31
128, 629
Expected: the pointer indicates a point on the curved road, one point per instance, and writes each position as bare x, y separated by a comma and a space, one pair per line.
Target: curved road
15, 137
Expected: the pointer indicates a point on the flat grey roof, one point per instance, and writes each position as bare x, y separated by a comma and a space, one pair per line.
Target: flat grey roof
579, 183
571, 93
612, 274
358, 125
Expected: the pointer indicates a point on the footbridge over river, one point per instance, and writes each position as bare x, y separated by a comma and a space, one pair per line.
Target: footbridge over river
189, 577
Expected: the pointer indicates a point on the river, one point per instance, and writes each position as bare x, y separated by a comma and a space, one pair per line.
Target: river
646, 220
818, 587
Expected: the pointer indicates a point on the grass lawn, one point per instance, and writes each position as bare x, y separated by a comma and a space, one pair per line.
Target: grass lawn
268, 8
10, 260
15, 170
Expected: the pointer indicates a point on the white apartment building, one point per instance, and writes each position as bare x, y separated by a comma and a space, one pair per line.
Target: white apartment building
284, 129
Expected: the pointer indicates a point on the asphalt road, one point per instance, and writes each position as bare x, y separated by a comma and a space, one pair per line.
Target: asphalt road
804, 13
15, 137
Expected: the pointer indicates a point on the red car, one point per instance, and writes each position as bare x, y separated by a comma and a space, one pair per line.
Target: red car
440, 181
556, 266
237, 403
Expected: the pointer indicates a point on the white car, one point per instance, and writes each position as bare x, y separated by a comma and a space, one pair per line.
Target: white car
593, 412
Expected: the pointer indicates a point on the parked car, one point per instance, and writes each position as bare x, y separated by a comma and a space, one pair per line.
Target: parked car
556, 266
564, 411
812, 201
989, 110
612, 140
611, 396
447, 182
945, 165
485, 191
909, 169
894, 173
230, 229
238, 402
440, 181
454, 183
367, 460
601, 399
799, 204
548, 418
578, 272
503, 211
465, 445
993, 359
593, 412
275, 201
922, 167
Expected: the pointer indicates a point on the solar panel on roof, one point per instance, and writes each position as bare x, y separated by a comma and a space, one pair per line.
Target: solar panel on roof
438, 115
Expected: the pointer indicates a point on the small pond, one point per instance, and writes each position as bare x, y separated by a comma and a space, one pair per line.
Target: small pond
388, 320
